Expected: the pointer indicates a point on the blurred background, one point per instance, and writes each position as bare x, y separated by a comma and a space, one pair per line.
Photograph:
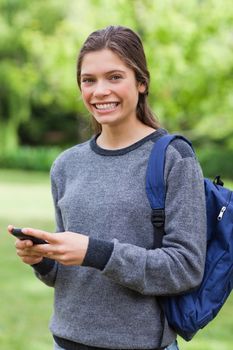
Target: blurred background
189, 48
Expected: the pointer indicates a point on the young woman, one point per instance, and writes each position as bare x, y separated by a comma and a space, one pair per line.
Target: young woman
101, 261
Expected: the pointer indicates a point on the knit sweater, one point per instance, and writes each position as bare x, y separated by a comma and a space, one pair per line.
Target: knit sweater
110, 301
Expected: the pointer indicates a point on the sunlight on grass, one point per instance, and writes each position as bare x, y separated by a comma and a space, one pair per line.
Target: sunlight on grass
26, 202
25, 196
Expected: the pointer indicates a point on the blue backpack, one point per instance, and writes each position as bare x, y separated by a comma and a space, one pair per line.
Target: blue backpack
189, 312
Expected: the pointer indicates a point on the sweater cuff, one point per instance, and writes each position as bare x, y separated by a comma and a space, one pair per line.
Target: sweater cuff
44, 267
98, 253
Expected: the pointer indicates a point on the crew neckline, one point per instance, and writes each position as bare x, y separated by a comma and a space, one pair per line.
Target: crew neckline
117, 152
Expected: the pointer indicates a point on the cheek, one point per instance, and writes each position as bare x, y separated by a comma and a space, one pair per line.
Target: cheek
85, 97
129, 92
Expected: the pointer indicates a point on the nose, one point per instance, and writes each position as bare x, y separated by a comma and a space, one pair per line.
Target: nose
101, 89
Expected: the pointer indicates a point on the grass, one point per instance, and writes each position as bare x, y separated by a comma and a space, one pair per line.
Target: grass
25, 302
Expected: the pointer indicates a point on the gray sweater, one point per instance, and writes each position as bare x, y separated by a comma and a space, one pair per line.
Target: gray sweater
110, 301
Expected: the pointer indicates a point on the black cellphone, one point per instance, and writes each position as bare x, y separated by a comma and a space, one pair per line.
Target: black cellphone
17, 232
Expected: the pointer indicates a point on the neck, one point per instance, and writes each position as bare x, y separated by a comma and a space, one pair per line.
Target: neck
118, 137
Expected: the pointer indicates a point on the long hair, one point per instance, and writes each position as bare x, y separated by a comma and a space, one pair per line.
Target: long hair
128, 46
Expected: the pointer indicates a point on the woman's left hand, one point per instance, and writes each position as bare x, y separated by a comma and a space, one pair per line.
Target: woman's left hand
68, 248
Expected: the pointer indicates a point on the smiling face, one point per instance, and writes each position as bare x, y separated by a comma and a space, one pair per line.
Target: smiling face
109, 88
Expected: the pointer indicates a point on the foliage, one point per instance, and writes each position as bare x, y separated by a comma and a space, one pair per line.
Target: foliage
37, 70
188, 45
28, 158
215, 160
192, 65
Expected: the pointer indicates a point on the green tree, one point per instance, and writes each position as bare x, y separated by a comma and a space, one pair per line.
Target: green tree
188, 46
28, 54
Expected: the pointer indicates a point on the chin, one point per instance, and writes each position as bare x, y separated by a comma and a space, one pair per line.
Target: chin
106, 121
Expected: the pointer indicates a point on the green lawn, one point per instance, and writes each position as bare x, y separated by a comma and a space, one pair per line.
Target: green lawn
25, 303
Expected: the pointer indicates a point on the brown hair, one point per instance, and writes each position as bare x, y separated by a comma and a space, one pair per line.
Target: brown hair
128, 46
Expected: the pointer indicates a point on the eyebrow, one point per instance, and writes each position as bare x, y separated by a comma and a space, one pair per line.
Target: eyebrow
108, 72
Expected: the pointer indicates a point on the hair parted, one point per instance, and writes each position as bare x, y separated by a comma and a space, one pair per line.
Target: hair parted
128, 46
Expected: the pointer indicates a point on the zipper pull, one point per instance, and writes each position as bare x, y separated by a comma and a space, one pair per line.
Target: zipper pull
222, 211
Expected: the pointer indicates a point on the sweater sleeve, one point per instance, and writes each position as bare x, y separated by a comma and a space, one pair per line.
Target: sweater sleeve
179, 265
46, 270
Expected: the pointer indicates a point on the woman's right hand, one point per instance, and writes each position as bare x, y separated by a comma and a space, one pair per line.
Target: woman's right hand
23, 250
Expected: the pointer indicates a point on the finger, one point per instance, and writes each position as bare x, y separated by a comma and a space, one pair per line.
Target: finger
31, 261
9, 228
22, 244
24, 254
44, 249
47, 236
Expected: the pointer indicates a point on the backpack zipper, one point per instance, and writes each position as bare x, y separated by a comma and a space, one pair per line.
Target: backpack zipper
224, 208
222, 211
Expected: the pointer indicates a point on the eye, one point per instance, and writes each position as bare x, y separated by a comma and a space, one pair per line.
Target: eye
87, 80
115, 77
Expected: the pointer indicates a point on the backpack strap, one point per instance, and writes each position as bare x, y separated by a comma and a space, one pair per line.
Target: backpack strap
156, 193
155, 186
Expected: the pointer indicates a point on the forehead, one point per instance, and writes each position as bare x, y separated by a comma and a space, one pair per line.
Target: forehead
102, 61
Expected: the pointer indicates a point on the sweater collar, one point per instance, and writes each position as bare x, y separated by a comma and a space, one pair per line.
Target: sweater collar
106, 152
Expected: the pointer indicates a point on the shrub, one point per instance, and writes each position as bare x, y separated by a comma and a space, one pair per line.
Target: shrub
216, 160
29, 158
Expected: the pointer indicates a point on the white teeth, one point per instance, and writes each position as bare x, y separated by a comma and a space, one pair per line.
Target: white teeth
106, 105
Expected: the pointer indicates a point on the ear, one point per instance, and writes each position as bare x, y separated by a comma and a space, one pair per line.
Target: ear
141, 88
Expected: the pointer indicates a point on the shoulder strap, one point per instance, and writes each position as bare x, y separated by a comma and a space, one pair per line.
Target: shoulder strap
156, 193
155, 186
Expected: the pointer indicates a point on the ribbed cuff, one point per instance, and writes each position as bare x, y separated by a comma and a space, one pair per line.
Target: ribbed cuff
44, 267
98, 253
